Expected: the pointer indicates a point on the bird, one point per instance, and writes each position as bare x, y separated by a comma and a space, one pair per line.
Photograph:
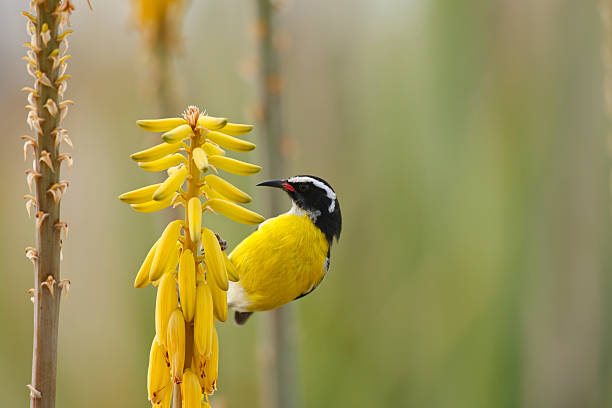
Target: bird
287, 257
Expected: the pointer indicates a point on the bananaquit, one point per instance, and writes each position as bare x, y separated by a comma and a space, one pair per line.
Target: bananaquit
288, 256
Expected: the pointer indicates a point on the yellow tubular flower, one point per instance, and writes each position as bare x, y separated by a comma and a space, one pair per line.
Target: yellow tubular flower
142, 278
188, 302
230, 142
156, 152
187, 284
200, 159
161, 125
233, 166
219, 298
234, 211
194, 214
175, 342
203, 323
213, 149
166, 302
227, 189
164, 163
170, 185
215, 265
232, 272
142, 195
236, 129
191, 392
158, 374
167, 243
178, 134
211, 123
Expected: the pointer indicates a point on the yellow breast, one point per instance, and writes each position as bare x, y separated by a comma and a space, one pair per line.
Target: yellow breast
282, 260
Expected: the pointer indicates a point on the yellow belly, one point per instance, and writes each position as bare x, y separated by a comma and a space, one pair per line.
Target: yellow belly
282, 260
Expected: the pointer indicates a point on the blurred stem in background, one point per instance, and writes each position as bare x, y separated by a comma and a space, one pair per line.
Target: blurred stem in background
46, 63
277, 351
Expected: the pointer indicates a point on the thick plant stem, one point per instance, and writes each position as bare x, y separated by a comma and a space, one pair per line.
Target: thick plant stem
47, 291
278, 385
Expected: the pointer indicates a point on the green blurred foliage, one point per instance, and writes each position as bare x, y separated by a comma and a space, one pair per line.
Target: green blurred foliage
467, 144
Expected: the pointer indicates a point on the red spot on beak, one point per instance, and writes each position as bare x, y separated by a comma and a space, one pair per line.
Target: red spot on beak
288, 187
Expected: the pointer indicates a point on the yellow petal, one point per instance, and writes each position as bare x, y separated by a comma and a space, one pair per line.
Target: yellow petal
211, 368
211, 123
237, 129
227, 190
232, 272
155, 152
200, 159
152, 206
233, 166
187, 284
214, 258
203, 320
160, 125
163, 163
177, 134
230, 142
158, 373
219, 302
165, 303
191, 392
194, 213
142, 278
234, 211
175, 342
212, 149
171, 185
166, 401
167, 244
142, 195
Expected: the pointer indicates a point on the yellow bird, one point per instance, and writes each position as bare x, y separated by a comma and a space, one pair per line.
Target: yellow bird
288, 256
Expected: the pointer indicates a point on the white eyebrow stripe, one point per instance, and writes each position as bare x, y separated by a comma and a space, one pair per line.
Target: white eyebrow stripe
330, 193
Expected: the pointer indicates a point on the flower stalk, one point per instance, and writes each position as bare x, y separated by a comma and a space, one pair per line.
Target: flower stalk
46, 63
192, 286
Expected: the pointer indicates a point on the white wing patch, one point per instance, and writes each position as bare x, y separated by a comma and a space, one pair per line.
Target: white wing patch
330, 193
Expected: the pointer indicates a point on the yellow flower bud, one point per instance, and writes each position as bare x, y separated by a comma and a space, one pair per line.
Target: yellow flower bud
158, 373
194, 213
155, 152
200, 159
210, 193
175, 342
219, 298
166, 302
213, 149
232, 272
171, 184
187, 284
164, 163
203, 320
233, 166
191, 392
236, 129
160, 125
142, 278
215, 266
227, 190
142, 195
230, 142
211, 368
234, 211
211, 123
167, 244
178, 134
152, 206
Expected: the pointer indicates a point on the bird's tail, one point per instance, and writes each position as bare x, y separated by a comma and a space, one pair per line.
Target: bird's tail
241, 317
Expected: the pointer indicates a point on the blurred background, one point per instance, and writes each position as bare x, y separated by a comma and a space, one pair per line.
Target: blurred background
467, 142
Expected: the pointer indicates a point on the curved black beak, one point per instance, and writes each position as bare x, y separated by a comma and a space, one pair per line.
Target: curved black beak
278, 184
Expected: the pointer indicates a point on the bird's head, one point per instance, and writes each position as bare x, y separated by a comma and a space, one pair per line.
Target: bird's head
315, 197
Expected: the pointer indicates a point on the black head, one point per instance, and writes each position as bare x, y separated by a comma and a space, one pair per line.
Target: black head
317, 198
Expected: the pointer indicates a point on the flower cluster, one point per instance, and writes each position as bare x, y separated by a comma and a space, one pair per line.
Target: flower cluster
191, 287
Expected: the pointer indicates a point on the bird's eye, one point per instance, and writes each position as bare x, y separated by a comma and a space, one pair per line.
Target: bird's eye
302, 188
